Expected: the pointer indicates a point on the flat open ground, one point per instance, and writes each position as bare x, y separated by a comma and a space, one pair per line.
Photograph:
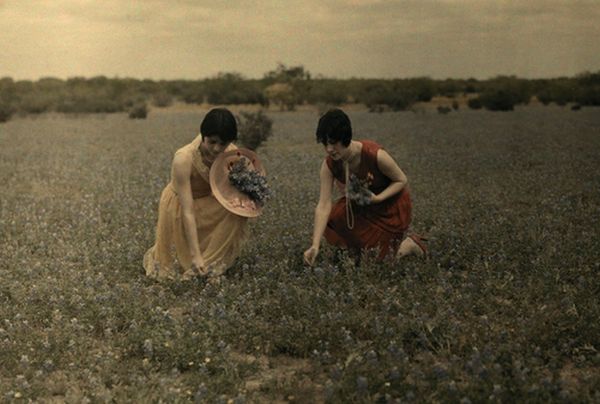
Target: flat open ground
506, 307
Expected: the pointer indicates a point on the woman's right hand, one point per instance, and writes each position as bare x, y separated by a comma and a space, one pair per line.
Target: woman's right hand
198, 266
310, 255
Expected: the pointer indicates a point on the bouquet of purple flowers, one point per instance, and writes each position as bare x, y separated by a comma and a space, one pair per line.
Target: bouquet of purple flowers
249, 181
358, 190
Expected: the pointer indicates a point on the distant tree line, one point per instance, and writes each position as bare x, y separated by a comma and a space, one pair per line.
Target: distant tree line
284, 88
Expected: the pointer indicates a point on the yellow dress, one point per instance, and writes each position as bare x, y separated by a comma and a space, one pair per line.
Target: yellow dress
221, 233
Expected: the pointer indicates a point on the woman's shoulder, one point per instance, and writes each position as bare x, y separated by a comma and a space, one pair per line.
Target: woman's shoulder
189, 148
183, 157
370, 149
184, 153
182, 160
370, 145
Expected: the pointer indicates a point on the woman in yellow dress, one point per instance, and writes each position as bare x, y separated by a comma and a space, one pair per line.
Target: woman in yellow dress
195, 234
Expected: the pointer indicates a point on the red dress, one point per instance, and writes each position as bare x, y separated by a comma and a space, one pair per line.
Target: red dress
381, 225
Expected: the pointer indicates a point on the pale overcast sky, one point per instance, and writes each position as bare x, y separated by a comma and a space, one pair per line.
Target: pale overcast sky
192, 39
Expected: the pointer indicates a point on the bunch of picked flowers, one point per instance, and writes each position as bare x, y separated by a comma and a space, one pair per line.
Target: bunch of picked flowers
358, 189
249, 181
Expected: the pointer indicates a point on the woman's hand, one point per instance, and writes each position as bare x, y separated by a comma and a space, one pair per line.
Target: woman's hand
198, 266
310, 255
375, 198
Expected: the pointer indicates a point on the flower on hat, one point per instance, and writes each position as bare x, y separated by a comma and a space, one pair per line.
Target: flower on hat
248, 180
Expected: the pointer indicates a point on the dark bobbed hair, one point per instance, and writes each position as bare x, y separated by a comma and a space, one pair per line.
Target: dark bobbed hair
334, 126
219, 122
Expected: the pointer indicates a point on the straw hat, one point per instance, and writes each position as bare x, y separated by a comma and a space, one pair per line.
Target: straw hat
225, 192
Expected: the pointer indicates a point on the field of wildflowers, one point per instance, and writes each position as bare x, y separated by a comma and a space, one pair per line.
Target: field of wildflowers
505, 309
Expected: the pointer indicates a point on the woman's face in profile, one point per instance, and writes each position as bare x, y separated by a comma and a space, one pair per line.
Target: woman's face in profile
211, 147
336, 150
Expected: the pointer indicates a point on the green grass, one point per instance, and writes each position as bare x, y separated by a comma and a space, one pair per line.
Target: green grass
506, 308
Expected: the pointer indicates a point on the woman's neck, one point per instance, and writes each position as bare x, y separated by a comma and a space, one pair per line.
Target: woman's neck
354, 149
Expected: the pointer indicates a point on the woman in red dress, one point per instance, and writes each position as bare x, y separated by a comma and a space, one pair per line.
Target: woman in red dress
375, 211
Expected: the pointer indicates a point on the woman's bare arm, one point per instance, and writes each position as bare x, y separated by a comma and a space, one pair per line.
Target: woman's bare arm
180, 172
322, 212
390, 169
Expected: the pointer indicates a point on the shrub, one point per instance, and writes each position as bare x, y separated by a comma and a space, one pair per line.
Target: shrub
254, 129
589, 96
193, 93
442, 109
36, 103
475, 103
421, 88
498, 100
327, 91
162, 99
471, 86
379, 108
448, 87
291, 86
6, 111
8, 96
138, 111
560, 91
282, 95
387, 94
88, 103
508, 88
232, 88
589, 89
